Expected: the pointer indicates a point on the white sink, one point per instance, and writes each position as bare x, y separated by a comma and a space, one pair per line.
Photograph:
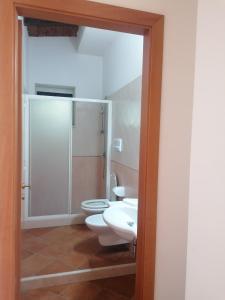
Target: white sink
123, 221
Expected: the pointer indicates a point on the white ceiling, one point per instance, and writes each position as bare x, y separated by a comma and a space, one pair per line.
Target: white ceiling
94, 41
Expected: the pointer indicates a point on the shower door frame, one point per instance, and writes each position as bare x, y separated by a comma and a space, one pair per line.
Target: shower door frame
86, 13
67, 218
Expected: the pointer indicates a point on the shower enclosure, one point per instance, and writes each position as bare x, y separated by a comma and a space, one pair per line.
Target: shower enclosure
66, 157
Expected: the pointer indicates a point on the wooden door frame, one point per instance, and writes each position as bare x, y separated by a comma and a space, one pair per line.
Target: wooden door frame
87, 13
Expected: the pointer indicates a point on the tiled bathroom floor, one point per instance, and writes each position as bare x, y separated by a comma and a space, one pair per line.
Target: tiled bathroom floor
66, 248
119, 288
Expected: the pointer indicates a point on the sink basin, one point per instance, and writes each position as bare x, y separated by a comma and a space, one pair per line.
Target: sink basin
123, 221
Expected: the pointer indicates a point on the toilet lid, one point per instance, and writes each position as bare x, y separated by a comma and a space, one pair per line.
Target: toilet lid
96, 203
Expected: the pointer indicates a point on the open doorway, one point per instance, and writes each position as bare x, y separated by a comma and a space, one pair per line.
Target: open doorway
81, 139
155, 23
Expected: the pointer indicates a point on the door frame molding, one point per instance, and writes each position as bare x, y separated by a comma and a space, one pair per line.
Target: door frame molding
104, 16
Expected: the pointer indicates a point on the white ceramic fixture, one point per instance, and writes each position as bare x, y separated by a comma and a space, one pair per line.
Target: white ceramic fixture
119, 191
107, 236
131, 201
123, 221
97, 206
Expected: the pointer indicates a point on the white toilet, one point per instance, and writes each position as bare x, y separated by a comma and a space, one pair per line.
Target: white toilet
106, 235
97, 206
94, 209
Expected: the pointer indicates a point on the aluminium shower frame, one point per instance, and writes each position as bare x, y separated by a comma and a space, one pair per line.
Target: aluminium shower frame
67, 218
86, 13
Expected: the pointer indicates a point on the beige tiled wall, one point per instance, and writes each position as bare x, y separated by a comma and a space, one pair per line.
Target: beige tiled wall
127, 177
126, 110
88, 165
88, 162
88, 180
87, 139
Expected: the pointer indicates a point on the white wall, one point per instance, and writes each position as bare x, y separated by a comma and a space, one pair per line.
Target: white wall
94, 76
122, 62
206, 238
55, 61
175, 139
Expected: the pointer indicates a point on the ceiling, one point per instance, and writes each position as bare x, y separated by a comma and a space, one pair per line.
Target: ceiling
87, 40
94, 41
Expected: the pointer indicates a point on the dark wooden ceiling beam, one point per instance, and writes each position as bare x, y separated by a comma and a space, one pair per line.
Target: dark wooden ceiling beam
38, 28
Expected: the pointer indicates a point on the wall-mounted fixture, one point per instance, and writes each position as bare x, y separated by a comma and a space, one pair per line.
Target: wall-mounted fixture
119, 191
117, 144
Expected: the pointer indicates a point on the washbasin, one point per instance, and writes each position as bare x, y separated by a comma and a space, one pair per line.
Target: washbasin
123, 221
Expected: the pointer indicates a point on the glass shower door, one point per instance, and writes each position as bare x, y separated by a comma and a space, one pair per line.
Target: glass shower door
89, 139
49, 156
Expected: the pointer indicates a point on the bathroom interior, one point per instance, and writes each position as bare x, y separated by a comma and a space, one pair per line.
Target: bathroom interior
81, 136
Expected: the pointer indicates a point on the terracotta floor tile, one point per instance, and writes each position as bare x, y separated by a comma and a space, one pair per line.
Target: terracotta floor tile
82, 291
75, 260
88, 245
58, 234
33, 244
104, 289
57, 289
72, 229
98, 261
34, 264
40, 231
109, 295
55, 267
82, 229
25, 254
74, 246
53, 250
123, 285
59, 248
76, 241
25, 233
41, 295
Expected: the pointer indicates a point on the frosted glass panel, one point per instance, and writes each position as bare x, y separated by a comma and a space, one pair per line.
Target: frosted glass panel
88, 153
50, 131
